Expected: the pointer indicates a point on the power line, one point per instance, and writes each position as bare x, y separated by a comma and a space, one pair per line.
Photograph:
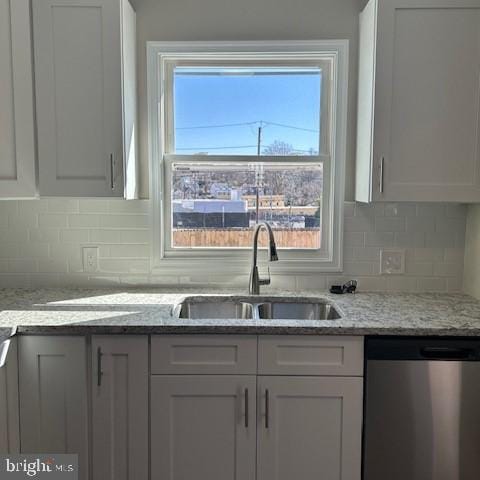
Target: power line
218, 148
216, 126
223, 125
284, 125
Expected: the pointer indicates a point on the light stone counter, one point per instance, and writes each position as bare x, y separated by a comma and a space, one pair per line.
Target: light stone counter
96, 311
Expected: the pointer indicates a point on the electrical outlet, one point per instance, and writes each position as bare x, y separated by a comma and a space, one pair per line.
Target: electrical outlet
393, 262
90, 259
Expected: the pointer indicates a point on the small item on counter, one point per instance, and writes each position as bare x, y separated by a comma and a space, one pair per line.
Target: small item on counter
348, 287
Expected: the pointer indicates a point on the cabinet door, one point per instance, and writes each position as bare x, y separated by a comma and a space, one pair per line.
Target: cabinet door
427, 101
53, 396
78, 92
203, 427
309, 428
17, 147
120, 407
9, 420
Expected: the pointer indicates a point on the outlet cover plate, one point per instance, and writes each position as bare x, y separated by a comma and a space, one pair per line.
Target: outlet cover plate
90, 259
392, 262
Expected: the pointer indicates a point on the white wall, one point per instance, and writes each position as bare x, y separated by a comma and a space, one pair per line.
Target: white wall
41, 242
165, 20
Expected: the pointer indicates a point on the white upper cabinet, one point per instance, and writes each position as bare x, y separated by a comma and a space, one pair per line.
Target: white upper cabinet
85, 94
17, 144
419, 98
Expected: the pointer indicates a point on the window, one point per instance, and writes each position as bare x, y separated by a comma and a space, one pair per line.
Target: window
243, 133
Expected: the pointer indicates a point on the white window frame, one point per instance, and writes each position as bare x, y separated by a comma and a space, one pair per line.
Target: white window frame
179, 261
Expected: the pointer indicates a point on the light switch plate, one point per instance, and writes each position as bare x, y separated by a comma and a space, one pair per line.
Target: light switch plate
90, 259
392, 262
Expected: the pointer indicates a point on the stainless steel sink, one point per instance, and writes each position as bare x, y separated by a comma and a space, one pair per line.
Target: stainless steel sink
214, 309
298, 311
257, 308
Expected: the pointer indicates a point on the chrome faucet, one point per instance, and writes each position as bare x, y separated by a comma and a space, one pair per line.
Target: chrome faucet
255, 280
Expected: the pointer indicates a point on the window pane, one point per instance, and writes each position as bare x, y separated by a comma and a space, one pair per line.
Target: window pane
214, 205
247, 111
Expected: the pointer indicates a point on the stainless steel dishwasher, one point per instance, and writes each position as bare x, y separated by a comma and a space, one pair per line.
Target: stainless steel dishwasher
422, 409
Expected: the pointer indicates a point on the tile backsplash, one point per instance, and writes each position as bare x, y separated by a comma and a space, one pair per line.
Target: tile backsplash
41, 240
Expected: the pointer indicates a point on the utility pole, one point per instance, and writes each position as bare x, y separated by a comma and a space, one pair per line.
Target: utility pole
257, 196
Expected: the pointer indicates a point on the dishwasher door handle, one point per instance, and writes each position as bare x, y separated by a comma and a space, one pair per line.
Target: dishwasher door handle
447, 353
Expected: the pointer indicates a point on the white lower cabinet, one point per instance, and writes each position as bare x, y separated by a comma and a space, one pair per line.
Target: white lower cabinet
298, 425
120, 407
203, 427
9, 419
309, 428
53, 396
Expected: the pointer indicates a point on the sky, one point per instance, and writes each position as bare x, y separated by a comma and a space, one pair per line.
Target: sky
206, 98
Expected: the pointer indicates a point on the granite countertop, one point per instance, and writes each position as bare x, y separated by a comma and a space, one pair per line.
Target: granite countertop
83, 311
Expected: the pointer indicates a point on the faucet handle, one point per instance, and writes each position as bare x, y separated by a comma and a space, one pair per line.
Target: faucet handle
265, 281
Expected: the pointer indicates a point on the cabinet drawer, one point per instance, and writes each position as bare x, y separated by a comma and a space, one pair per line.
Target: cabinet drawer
302, 355
204, 354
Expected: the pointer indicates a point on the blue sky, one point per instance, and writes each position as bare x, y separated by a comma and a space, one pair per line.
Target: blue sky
205, 99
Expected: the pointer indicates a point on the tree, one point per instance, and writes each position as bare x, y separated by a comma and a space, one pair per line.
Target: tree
278, 147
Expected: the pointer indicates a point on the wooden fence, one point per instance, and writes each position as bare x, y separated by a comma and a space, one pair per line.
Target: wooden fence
242, 237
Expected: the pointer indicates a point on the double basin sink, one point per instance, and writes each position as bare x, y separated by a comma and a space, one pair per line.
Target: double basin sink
256, 308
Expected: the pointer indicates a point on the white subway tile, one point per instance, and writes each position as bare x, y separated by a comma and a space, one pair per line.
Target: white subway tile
63, 205
52, 220
84, 220
359, 224
349, 209
14, 280
45, 280
400, 209
370, 284
409, 239
3, 266
51, 265
448, 269
22, 265
9, 250
44, 235
369, 210
389, 224
371, 254
33, 250
93, 206
420, 224
14, 234
74, 235
9, 207
431, 210
135, 236
401, 284
315, 282
105, 236
429, 254
456, 211
124, 265
129, 206
125, 221
444, 224
359, 268
455, 284
432, 284
130, 251
28, 206
454, 255
379, 239
441, 239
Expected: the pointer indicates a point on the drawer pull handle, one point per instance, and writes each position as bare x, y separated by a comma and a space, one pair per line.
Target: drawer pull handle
267, 408
246, 408
99, 366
